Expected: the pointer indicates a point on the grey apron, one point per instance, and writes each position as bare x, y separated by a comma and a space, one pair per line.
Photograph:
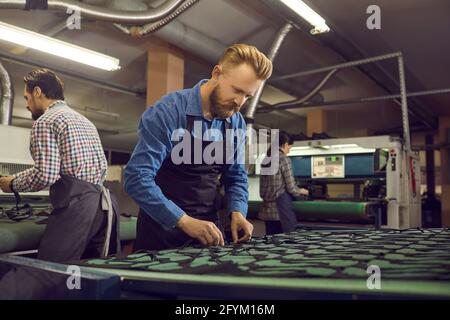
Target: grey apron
81, 223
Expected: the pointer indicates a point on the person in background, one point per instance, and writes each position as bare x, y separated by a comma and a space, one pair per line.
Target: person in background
278, 189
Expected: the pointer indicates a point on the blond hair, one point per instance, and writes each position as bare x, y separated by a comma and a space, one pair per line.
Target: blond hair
239, 53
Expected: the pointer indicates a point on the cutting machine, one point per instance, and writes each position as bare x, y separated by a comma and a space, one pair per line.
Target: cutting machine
367, 180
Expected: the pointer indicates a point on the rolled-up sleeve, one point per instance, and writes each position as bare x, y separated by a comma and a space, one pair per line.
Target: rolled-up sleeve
235, 177
154, 145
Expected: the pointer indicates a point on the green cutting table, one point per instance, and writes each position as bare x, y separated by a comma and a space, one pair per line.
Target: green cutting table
299, 265
25, 235
303, 264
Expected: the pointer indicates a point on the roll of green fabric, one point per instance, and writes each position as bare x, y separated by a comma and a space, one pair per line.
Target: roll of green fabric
326, 210
323, 210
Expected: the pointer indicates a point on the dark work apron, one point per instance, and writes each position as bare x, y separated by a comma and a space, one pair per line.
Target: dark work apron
192, 187
84, 222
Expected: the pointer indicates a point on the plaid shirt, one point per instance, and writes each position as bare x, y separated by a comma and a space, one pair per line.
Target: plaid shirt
62, 143
272, 186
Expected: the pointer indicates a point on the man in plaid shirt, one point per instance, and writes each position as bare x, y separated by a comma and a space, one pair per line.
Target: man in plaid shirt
277, 191
62, 143
69, 158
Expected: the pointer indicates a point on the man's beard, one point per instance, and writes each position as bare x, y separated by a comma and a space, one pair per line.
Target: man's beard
36, 115
218, 110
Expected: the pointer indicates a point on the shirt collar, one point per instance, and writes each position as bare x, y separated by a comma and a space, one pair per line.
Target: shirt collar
194, 107
55, 103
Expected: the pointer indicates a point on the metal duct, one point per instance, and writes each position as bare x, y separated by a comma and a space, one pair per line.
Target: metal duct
311, 94
7, 98
104, 14
250, 114
272, 54
191, 40
140, 31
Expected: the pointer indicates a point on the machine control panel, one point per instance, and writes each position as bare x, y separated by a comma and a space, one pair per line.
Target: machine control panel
330, 166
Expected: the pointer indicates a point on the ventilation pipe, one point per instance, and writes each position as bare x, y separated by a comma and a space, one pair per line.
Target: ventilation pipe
7, 98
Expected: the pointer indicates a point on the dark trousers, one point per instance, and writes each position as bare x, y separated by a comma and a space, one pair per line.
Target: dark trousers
286, 212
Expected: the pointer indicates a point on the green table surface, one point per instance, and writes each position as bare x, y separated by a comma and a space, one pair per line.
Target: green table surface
413, 263
145, 281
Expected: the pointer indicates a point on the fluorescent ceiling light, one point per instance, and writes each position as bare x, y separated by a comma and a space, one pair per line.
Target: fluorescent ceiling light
303, 10
300, 148
56, 47
346, 146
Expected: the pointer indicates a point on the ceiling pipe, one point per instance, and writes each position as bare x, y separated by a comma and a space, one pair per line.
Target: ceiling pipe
311, 94
273, 52
343, 65
104, 14
7, 98
140, 31
295, 105
192, 41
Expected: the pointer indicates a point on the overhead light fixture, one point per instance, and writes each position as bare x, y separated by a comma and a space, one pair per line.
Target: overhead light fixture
303, 10
351, 145
300, 148
56, 47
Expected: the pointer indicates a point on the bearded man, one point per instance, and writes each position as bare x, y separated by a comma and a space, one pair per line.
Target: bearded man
178, 199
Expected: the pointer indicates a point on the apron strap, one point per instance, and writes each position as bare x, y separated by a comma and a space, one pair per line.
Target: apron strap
189, 123
108, 209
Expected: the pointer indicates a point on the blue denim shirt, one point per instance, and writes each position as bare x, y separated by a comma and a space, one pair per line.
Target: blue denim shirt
155, 144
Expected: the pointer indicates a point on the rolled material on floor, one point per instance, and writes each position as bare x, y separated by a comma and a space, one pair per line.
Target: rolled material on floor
323, 210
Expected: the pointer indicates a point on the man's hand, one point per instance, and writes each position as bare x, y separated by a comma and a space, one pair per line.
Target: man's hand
238, 222
204, 231
5, 183
304, 192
